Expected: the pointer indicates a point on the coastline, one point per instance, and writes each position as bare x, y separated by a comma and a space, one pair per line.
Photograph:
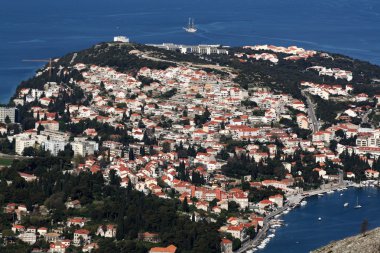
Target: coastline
252, 245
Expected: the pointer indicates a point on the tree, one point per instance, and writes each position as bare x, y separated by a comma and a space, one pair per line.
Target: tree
131, 155
29, 151
114, 179
251, 232
166, 147
333, 145
40, 128
78, 159
185, 205
7, 120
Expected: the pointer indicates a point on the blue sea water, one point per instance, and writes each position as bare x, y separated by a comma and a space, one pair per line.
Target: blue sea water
303, 232
44, 28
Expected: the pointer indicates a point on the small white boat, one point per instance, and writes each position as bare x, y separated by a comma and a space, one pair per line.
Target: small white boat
319, 218
303, 203
345, 204
271, 235
321, 194
329, 192
357, 204
341, 194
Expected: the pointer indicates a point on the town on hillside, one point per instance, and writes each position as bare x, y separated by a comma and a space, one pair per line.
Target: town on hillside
92, 154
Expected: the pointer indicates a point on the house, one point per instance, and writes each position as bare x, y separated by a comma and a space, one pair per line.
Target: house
42, 231
81, 236
77, 221
90, 247
277, 199
371, 173
350, 175
28, 237
75, 204
265, 203
226, 246
108, 231
321, 172
58, 247
149, 237
18, 228
168, 249
51, 237
27, 177
237, 231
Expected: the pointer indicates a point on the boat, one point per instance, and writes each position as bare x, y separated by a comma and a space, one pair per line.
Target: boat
357, 203
271, 235
191, 27
329, 192
346, 204
320, 194
303, 203
319, 218
341, 194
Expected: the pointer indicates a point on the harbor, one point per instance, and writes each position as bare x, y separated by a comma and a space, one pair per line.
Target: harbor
313, 211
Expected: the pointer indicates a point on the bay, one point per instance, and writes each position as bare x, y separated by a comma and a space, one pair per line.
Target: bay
303, 231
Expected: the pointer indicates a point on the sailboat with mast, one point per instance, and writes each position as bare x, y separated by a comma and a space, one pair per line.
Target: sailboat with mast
190, 27
357, 203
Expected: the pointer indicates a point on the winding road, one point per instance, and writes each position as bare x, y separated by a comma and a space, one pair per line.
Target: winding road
311, 113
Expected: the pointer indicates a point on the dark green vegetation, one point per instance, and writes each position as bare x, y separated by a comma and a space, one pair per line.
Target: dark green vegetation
103, 202
5, 161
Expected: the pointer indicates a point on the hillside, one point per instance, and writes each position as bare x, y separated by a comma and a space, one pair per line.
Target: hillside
363, 244
285, 75
147, 140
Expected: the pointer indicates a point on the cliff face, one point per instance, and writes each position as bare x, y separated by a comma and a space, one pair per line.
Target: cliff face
369, 243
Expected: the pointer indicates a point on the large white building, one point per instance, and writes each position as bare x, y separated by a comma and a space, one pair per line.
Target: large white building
122, 39
9, 112
24, 141
29, 238
53, 141
83, 147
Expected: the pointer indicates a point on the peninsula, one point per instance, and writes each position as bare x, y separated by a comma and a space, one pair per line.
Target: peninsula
125, 147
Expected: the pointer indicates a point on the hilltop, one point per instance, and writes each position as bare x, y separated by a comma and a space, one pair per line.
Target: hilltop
368, 243
254, 68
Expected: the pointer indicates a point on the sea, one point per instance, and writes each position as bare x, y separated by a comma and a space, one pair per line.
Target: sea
303, 231
40, 29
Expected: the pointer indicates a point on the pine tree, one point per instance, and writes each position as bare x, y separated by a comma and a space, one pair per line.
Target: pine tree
185, 205
131, 155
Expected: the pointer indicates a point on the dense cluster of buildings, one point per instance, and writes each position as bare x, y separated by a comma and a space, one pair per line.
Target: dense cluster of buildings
195, 49
170, 108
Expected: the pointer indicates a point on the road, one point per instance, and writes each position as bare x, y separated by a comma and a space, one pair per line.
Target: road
6, 156
311, 112
187, 64
365, 116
